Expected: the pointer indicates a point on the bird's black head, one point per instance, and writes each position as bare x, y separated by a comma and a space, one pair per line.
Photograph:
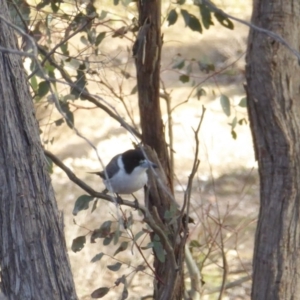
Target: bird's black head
133, 158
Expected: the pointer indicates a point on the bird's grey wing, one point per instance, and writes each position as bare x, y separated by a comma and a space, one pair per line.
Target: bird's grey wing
112, 167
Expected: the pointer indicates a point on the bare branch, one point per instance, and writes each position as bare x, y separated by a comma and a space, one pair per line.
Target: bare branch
59, 44
269, 33
187, 194
84, 186
89, 96
153, 223
229, 285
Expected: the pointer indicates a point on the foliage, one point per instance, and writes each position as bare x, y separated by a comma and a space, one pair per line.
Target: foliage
70, 41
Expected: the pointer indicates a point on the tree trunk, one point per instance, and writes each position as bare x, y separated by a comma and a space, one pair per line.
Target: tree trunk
33, 256
169, 282
274, 109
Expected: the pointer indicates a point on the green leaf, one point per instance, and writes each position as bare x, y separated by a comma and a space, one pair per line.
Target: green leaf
101, 232
206, 67
194, 244
148, 246
194, 24
100, 293
82, 203
121, 248
78, 243
64, 106
43, 89
159, 251
127, 2
97, 257
172, 17
241, 121
224, 21
33, 82
68, 97
189, 68
59, 122
116, 2
124, 293
84, 40
100, 37
80, 81
134, 90
102, 15
200, 92
117, 235
180, 2
64, 48
138, 235
184, 78
115, 267
94, 205
233, 123
107, 240
233, 134
205, 15
243, 102
125, 74
225, 104
179, 65
186, 16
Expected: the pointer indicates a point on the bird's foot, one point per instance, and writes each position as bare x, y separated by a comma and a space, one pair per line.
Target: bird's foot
136, 202
119, 199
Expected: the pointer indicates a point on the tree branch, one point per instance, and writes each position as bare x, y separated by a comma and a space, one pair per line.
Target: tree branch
157, 228
269, 33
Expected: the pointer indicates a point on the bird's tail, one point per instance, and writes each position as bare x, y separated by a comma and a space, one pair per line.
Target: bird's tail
100, 173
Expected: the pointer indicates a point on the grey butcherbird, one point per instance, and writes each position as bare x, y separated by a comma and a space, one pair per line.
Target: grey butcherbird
126, 172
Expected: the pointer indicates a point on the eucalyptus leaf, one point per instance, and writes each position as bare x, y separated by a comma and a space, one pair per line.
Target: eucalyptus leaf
97, 257
100, 37
206, 16
225, 104
184, 78
82, 203
172, 17
243, 102
121, 248
100, 293
115, 267
78, 243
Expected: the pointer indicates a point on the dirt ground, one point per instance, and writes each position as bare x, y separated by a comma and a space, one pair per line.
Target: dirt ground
225, 192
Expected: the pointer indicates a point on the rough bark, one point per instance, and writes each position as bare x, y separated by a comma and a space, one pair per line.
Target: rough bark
169, 282
274, 108
33, 256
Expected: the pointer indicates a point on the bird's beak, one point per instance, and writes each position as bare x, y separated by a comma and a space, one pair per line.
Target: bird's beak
147, 164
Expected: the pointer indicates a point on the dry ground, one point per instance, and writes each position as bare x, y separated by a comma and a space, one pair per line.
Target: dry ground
225, 188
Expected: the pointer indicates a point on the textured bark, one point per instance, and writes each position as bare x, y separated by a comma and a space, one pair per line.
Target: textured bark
273, 75
147, 52
169, 282
33, 257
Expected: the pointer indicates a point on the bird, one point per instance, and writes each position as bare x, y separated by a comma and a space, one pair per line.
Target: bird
126, 172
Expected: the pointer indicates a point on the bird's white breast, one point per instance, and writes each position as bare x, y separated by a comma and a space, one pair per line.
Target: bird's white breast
123, 183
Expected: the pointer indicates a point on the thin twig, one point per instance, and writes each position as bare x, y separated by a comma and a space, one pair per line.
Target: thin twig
86, 187
269, 33
88, 96
147, 216
59, 44
187, 194
229, 285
